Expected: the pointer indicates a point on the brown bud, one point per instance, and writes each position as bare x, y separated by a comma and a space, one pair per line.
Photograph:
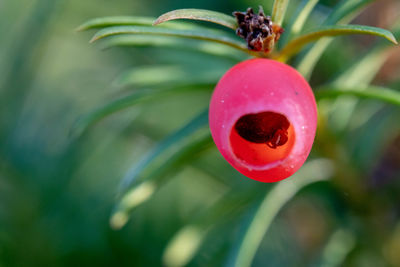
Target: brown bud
258, 30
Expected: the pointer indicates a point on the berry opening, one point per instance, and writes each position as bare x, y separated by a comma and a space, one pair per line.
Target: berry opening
262, 138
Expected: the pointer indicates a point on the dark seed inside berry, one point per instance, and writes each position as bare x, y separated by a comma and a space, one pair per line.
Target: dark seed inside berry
265, 127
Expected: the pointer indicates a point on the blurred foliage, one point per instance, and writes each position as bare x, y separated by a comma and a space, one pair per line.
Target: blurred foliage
62, 160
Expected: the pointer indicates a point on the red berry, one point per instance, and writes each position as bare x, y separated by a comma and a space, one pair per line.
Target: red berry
263, 119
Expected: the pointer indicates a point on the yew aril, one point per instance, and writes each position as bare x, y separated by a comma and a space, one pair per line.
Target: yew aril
263, 119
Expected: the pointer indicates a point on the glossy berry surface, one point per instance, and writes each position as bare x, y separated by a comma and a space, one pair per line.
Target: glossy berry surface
263, 119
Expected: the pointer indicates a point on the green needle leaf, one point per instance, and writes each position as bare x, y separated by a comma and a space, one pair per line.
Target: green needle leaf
339, 245
180, 44
91, 118
309, 60
195, 124
212, 36
199, 14
148, 175
298, 21
345, 11
136, 98
153, 181
303, 15
372, 92
279, 11
328, 31
276, 198
363, 71
127, 21
359, 74
190, 238
227, 208
115, 21
173, 75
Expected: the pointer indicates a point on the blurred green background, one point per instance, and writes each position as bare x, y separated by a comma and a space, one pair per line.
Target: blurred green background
57, 190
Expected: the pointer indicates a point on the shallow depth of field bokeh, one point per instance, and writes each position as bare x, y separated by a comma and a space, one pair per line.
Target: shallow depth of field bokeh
58, 188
